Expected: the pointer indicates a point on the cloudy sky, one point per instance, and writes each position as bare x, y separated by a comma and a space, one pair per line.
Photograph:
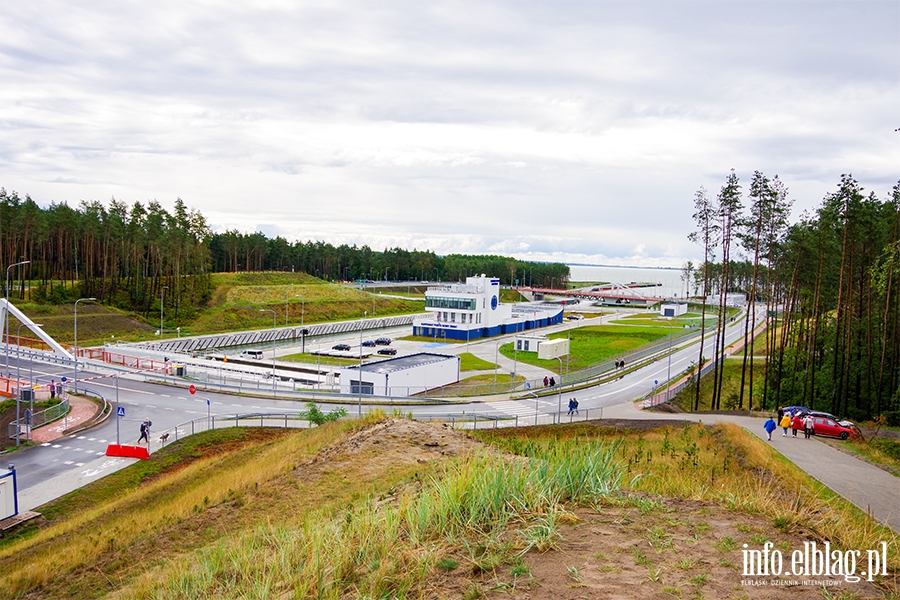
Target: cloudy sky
574, 131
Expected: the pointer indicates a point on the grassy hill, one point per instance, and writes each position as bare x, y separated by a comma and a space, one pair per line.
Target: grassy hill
239, 297
388, 507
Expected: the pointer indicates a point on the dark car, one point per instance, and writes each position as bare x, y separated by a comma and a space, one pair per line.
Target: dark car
383, 341
369, 343
388, 351
831, 428
341, 347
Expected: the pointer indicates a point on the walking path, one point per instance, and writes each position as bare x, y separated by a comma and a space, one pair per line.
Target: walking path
871, 489
81, 411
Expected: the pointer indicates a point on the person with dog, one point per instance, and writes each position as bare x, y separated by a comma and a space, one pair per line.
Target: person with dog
145, 432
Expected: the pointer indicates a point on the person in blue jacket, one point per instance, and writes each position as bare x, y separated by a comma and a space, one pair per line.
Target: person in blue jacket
770, 426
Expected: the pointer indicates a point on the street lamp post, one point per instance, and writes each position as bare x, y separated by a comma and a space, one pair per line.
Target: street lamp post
75, 378
359, 377
669, 368
559, 393
6, 320
19, 380
274, 326
162, 305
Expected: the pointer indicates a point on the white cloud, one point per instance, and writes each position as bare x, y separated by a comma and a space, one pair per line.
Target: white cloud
553, 131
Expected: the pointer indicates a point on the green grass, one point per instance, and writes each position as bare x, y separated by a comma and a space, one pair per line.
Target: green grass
731, 385
480, 385
470, 362
313, 359
592, 345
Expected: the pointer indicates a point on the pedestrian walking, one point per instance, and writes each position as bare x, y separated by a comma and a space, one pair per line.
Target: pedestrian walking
796, 425
785, 423
571, 406
769, 426
145, 432
52, 389
552, 382
546, 381
808, 426
575, 403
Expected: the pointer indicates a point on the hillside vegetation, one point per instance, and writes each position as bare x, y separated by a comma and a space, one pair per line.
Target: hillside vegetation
387, 507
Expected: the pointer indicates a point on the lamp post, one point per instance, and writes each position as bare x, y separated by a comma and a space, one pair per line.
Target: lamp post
274, 326
6, 320
559, 393
75, 378
162, 305
496, 349
669, 368
19, 380
359, 383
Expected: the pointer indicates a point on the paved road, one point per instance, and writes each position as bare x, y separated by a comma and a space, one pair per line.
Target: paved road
49, 471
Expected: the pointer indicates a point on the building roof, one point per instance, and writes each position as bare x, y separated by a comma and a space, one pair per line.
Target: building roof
400, 363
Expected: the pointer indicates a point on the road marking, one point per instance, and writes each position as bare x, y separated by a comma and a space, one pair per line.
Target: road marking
81, 437
165, 395
79, 464
238, 405
172, 409
132, 404
45, 444
151, 406
68, 462
57, 446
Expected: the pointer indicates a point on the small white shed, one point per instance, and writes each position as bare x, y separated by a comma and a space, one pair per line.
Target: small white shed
673, 309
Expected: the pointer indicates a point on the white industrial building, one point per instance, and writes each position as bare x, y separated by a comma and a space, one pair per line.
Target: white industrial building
401, 376
673, 309
472, 310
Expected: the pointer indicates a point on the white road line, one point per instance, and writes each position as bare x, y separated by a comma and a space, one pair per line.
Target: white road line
151, 406
165, 395
172, 409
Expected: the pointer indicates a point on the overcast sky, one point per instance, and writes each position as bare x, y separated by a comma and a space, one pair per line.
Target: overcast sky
573, 131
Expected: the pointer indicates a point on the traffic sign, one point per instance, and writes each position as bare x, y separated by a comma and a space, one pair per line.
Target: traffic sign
120, 411
192, 389
63, 379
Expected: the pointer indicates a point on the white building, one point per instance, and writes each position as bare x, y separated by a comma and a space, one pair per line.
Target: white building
401, 376
673, 309
472, 310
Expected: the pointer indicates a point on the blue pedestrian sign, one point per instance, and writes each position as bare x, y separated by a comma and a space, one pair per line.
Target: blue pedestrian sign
120, 411
63, 379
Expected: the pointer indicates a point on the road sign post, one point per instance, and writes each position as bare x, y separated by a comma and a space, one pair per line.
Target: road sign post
120, 412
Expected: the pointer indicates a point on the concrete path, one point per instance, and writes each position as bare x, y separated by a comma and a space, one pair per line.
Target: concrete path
871, 489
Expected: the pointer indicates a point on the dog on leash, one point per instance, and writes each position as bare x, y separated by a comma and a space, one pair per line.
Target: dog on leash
164, 437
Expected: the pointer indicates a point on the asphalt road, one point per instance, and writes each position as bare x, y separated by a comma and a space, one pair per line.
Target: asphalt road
48, 471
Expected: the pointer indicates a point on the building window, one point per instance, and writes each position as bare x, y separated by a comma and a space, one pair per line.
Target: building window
453, 317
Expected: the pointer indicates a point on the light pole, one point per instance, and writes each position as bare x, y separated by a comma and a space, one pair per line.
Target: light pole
6, 320
162, 305
19, 380
75, 378
359, 383
496, 349
559, 393
274, 326
669, 368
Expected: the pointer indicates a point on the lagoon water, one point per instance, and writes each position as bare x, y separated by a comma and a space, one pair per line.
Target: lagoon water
672, 285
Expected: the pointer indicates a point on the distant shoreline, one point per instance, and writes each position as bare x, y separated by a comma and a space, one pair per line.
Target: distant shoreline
622, 266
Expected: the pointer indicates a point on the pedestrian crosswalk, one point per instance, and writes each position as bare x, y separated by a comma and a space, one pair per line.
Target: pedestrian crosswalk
521, 408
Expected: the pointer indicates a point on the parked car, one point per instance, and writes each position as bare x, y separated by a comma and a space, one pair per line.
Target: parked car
341, 347
388, 351
254, 354
383, 341
825, 415
831, 428
369, 343
574, 317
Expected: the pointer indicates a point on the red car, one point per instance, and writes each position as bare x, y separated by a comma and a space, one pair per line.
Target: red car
830, 427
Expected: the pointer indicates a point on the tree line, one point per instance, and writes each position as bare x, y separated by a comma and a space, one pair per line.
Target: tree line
829, 286
137, 256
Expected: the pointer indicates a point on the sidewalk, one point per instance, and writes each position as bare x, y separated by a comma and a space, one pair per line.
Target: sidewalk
81, 410
871, 489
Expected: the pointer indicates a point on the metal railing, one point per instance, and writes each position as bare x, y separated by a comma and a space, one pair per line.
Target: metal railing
38, 419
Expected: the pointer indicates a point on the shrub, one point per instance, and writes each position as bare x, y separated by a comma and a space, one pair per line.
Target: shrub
314, 415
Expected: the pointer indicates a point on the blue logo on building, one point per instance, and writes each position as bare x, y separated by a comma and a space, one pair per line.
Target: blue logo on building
493, 302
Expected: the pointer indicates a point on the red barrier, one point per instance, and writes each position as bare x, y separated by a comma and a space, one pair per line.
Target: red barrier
127, 451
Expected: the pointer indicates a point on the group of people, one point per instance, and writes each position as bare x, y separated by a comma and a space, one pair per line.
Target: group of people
549, 381
790, 420
573, 406
620, 364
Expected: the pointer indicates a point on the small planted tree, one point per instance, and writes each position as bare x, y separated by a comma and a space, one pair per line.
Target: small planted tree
316, 416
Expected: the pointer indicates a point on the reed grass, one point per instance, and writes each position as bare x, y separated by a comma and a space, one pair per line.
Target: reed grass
378, 549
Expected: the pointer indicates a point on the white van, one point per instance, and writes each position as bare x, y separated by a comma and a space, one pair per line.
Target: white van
254, 354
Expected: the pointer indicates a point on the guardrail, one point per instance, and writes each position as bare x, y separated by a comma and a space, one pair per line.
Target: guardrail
38, 419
